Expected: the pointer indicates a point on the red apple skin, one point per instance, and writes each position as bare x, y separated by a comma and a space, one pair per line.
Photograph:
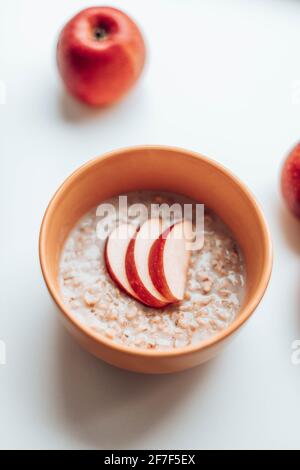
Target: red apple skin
290, 181
136, 282
156, 267
100, 71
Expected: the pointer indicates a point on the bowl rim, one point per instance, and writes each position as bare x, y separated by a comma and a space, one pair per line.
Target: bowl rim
245, 312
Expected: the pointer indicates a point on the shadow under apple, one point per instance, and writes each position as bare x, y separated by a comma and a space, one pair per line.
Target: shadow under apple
290, 226
75, 111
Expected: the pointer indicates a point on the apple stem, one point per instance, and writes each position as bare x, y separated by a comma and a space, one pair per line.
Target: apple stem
100, 33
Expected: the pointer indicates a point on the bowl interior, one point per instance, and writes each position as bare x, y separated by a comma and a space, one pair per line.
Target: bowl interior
165, 169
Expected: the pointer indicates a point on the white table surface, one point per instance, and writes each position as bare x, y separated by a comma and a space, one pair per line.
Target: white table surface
223, 78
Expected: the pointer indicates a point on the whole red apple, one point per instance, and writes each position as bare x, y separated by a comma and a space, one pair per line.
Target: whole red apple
290, 181
100, 55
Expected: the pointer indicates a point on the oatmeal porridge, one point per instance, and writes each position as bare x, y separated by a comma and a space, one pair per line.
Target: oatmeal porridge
214, 287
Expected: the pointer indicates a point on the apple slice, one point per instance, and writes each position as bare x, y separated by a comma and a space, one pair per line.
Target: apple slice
114, 255
169, 260
137, 264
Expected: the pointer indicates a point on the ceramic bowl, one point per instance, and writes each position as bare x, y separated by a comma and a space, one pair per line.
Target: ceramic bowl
158, 168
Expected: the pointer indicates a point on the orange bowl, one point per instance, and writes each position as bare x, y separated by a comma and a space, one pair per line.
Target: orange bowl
166, 169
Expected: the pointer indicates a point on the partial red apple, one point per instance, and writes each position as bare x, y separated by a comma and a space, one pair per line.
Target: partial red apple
137, 264
114, 255
169, 259
290, 181
100, 55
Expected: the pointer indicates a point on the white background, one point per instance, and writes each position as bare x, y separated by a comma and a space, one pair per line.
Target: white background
223, 78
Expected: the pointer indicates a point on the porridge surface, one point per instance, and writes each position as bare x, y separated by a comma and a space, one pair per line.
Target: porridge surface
213, 295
